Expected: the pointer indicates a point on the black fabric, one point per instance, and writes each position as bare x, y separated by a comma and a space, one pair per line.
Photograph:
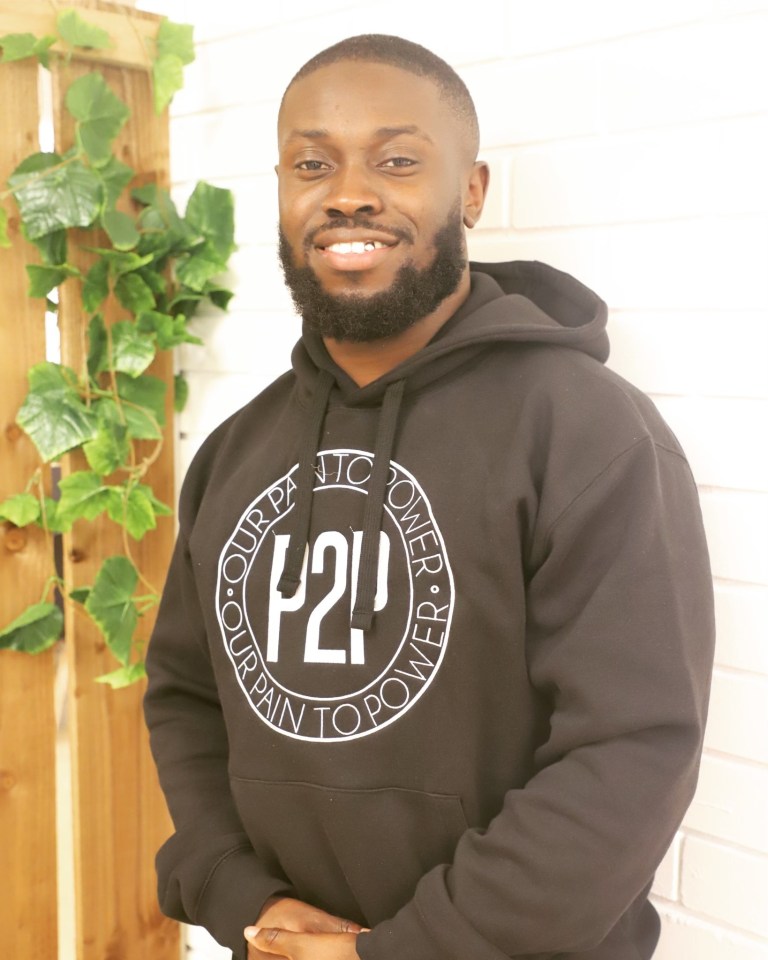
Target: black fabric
493, 765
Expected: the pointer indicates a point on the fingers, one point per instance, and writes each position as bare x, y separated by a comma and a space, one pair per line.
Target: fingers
288, 913
266, 941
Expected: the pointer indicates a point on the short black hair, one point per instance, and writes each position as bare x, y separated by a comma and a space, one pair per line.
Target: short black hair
407, 55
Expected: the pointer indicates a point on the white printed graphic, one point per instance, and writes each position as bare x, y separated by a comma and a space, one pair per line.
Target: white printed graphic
303, 669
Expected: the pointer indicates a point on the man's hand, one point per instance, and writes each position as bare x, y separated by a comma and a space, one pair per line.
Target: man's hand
287, 915
268, 942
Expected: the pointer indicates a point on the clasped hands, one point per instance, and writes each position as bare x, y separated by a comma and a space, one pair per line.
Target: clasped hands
295, 930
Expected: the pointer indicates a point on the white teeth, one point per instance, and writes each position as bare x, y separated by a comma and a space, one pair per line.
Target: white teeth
357, 246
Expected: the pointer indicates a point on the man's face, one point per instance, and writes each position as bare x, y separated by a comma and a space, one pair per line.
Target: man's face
373, 175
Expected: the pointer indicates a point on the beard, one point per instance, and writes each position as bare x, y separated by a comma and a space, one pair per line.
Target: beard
413, 294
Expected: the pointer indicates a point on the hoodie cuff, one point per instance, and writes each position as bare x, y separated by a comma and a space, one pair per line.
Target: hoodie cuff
233, 898
405, 937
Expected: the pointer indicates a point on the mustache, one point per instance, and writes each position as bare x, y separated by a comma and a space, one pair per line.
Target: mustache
359, 223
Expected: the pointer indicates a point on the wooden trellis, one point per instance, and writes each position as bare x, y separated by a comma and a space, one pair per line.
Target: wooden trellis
119, 815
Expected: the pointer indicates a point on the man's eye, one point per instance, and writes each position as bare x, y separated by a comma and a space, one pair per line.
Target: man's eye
312, 166
399, 162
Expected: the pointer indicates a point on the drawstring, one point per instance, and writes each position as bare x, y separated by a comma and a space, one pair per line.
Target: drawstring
365, 595
362, 615
310, 441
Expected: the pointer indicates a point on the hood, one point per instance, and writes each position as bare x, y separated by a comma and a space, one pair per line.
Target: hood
517, 302
521, 301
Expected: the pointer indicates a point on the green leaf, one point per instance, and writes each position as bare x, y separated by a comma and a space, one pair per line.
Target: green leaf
161, 509
115, 176
80, 594
96, 286
132, 350
98, 359
219, 296
134, 293
35, 630
175, 48
134, 510
144, 405
55, 194
53, 414
120, 263
167, 79
197, 270
44, 279
110, 603
110, 448
100, 113
121, 229
211, 211
79, 33
52, 520
52, 246
19, 46
83, 497
170, 331
180, 392
21, 509
5, 240
176, 38
124, 676
154, 280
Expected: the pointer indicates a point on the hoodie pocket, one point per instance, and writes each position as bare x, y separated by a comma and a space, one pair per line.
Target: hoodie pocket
355, 853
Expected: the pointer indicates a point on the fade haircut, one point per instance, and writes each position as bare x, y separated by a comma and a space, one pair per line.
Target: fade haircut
409, 56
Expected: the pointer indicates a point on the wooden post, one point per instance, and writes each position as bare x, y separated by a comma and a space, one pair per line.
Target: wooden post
120, 816
27, 722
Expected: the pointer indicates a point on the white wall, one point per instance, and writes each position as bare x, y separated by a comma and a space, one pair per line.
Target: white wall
629, 145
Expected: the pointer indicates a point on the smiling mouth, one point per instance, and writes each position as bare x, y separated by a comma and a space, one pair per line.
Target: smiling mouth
355, 247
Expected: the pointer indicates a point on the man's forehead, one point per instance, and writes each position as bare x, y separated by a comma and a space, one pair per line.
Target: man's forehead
387, 99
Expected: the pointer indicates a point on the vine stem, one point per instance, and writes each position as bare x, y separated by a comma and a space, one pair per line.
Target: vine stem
127, 548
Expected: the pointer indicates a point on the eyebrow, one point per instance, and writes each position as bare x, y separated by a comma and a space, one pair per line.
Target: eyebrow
383, 133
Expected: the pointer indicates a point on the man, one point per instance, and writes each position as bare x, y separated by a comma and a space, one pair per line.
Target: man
430, 673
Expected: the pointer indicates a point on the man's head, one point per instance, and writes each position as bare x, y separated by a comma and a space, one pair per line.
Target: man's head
377, 179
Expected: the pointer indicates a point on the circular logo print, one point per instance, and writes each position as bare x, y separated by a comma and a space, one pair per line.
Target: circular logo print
304, 670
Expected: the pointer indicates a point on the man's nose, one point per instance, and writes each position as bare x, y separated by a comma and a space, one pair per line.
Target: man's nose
352, 192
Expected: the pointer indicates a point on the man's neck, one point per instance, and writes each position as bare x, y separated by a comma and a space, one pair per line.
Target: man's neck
366, 362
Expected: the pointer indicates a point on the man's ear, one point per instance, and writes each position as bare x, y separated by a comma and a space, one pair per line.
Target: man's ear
477, 188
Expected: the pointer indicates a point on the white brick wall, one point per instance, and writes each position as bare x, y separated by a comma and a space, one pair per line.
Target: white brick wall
628, 144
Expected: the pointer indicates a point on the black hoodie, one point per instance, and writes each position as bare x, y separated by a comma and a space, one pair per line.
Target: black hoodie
433, 654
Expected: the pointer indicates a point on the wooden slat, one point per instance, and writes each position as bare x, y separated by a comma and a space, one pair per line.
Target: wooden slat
120, 816
132, 32
27, 722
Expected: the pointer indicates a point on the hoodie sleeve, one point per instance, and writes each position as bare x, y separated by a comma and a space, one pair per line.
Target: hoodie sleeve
208, 873
620, 640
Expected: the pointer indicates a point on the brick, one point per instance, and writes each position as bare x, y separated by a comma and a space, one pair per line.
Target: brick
213, 397
731, 802
258, 343
548, 98
652, 176
735, 522
738, 716
701, 71
719, 437
561, 23
742, 901
684, 937
666, 883
653, 266
690, 353
741, 611
256, 277
236, 142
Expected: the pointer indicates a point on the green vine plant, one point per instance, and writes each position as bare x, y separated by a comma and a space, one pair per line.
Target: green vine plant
159, 266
